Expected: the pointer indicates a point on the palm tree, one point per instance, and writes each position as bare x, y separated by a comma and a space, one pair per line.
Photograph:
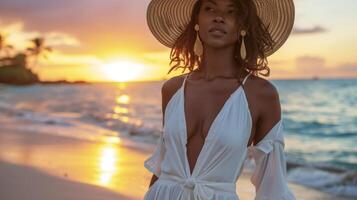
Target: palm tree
39, 49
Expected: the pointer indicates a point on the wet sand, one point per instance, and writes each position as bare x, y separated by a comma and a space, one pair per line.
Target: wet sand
37, 166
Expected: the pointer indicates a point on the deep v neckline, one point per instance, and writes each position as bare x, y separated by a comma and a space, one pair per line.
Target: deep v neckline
211, 127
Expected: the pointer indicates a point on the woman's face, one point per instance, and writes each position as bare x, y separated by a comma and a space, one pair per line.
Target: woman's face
218, 23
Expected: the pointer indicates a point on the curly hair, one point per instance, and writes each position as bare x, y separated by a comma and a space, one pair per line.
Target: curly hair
257, 40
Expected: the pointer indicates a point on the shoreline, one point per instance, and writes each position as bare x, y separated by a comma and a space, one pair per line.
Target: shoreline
67, 168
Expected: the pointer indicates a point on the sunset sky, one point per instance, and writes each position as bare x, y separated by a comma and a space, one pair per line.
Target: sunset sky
109, 39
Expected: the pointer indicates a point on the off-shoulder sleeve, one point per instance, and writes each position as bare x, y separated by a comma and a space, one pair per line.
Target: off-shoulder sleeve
153, 163
269, 175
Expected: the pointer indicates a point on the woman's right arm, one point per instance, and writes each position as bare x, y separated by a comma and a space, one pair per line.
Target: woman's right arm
168, 89
164, 101
153, 179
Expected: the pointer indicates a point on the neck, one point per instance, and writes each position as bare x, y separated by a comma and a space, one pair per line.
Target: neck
219, 62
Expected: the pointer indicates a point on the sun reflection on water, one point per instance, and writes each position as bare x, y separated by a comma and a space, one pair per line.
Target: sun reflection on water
123, 99
108, 166
121, 110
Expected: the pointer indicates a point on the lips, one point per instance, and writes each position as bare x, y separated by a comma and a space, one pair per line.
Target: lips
217, 30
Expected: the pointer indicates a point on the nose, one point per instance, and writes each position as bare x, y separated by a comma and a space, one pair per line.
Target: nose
219, 19
219, 16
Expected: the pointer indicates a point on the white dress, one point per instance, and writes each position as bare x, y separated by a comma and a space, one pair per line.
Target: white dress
221, 159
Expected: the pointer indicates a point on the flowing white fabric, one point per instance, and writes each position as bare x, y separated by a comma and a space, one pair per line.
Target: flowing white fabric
269, 176
221, 160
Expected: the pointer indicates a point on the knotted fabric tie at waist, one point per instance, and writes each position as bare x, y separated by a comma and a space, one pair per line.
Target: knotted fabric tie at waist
202, 190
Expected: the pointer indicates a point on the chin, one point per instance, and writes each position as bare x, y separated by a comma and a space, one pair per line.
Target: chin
217, 44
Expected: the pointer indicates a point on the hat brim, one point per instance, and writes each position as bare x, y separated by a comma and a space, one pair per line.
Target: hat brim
167, 19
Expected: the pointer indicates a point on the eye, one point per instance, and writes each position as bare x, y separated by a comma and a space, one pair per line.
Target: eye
208, 8
230, 11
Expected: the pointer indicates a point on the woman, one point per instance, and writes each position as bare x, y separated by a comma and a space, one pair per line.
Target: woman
212, 121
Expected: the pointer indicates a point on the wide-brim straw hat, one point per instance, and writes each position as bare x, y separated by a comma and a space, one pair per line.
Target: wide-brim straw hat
167, 19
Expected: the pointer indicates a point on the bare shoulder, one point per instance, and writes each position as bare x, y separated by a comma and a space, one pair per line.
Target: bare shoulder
169, 88
265, 91
171, 85
267, 105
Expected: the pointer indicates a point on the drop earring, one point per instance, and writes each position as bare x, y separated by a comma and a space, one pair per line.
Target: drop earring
243, 51
198, 48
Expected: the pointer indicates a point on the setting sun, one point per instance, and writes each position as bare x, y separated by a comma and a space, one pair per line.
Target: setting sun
122, 71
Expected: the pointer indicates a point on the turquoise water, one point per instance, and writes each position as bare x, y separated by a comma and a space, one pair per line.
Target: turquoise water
321, 121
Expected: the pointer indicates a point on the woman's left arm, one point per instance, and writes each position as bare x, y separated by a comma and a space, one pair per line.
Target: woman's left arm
269, 176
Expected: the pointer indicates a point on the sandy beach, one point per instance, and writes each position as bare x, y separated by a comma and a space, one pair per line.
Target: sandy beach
37, 166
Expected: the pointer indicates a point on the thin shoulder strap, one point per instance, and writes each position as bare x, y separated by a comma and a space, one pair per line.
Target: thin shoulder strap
186, 76
184, 80
246, 78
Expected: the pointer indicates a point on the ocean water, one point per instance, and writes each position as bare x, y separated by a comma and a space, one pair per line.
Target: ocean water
319, 116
